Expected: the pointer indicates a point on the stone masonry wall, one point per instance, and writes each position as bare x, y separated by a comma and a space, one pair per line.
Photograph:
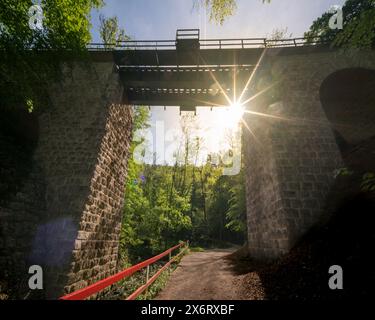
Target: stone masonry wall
291, 156
20, 212
81, 159
83, 149
96, 247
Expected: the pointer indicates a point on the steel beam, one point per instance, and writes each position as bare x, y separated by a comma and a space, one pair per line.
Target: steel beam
201, 57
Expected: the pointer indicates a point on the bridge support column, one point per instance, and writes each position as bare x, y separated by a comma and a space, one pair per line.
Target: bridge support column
82, 151
290, 160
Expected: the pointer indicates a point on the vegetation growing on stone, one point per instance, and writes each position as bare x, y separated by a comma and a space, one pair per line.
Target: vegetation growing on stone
31, 59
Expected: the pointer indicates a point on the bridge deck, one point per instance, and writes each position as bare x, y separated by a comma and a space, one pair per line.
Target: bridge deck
190, 85
193, 72
186, 79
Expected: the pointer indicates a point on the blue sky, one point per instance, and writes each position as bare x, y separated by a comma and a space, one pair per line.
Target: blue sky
159, 20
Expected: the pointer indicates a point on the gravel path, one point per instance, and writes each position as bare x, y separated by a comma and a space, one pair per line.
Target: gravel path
207, 275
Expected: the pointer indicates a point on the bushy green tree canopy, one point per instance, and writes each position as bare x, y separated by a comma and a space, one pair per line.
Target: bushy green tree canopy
110, 31
220, 10
358, 26
30, 59
165, 204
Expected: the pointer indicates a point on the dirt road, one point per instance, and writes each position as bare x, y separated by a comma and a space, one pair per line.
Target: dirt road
204, 275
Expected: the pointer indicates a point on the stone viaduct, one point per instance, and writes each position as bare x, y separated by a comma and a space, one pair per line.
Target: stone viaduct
67, 215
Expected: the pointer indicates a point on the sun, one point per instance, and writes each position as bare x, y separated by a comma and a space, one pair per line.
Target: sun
236, 112
230, 117
219, 124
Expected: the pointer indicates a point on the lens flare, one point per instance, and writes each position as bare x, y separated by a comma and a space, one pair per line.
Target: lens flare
236, 111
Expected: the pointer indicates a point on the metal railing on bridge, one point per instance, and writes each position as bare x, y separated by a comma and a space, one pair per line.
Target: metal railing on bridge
209, 44
95, 288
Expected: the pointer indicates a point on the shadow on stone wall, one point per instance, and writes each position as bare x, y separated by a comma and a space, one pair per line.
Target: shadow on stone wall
344, 235
21, 196
18, 138
348, 99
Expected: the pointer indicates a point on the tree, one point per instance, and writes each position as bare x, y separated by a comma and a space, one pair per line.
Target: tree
236, 214
136, 202
219, 10
31, 59
110, 32
279, 34
358, 26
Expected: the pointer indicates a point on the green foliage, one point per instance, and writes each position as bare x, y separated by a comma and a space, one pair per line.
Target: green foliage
165, 204
155, 213
358, 26
157, 286
219, 10
67, 22
31, 59
110, 32
155, 216
162, 280
236, 214
226, 210
342, 172
368, 182
196, 249
279, 34
125, 287
135, 201
30, 105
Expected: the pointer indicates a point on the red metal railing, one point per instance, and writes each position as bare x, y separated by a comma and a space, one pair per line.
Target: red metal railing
102, 284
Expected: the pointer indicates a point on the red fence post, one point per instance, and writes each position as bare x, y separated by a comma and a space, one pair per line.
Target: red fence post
148, 276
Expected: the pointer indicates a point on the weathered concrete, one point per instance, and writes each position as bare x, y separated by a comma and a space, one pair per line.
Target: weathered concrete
290, 157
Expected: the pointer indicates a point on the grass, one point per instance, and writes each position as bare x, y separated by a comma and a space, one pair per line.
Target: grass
157, 286
127, 286
161, 281
196, 249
